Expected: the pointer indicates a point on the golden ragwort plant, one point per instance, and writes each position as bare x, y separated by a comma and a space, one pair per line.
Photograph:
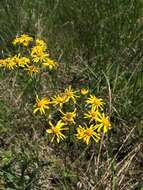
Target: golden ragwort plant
32, 57
78, 111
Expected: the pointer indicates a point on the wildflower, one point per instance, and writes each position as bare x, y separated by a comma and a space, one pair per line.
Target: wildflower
50, 64
84, 91
70, 94
95, 102
59, 100
2, 62
42, 44
24, 40
10, 63
24, 61
80, 132
21, 61
92, 115
32, 69
57, 131
87, 133
38, 54
68, 117
104, 123
41, 105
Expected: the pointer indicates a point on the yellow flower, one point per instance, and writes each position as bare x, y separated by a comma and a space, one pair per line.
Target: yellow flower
92, 115
59, 100
24, 40
24, 61
70, 94
42, 44
41, 105
104, 123
50, 64
57, 131
86, 133
21, 61
32, 69
84, 91
80, 132
38, 54
2, 63
95, 102
10, 63
68, 117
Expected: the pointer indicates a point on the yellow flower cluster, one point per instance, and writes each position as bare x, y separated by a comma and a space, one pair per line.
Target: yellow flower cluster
33, 57
76, 109
24, 40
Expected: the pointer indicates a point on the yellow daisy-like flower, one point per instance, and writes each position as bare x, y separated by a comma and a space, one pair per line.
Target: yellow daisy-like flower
92, 115
86, 133
70, 94
24, 61
41, 105
57, 131
38, 54
24, 40
2, 63
95, 102
51, 64
21, 61
68, 117
42, 44
104, 123
84, 91
31, 69
80, 132
10, 63
59, 100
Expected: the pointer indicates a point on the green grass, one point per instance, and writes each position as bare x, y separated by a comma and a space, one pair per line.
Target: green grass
99, 45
